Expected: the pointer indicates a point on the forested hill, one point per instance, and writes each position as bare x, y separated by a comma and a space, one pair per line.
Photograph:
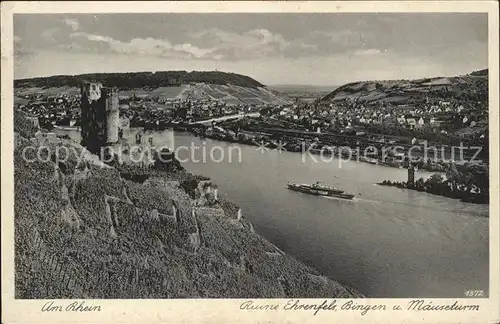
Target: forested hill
142, 79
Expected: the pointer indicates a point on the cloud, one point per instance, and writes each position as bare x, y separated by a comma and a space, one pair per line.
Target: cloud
264, 36
194, 50
147, 46
141, 46
48, 35
343, 37
73, 23
20, 50
254, 43
344, 40
371, 51
330, 47
92, 37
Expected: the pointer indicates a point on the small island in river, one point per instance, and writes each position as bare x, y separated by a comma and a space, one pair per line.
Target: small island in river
467, 182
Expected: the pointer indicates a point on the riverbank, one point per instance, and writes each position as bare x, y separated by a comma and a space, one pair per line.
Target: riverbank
342, 239
437, 186
337, 235
348, 147
85, 229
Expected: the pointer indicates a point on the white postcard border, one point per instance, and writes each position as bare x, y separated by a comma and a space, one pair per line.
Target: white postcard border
227, 310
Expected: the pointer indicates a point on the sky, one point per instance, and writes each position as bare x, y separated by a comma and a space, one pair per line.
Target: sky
274, 48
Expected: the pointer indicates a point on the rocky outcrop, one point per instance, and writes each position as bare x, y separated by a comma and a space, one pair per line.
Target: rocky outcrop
206, 194
66, 152
68, 212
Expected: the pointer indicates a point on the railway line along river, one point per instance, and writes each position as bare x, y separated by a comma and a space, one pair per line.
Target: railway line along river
387, 242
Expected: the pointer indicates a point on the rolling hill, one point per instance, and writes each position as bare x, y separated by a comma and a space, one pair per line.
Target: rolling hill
473, 86
230, 88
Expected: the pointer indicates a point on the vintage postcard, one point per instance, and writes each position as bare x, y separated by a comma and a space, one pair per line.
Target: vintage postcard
250, 162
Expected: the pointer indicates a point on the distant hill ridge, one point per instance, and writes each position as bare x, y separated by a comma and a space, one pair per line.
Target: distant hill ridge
131, 80
231, 88
473, 86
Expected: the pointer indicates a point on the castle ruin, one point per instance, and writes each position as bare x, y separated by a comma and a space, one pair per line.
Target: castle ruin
100, 116
107, 135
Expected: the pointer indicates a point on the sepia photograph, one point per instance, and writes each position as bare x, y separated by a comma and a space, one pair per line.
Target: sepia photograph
252, 155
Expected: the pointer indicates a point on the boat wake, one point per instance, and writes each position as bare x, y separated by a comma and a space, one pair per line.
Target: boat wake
356, 199
342, 199
384, 202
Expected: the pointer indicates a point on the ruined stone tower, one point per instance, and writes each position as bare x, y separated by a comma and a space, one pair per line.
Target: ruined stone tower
100, 116
411, 176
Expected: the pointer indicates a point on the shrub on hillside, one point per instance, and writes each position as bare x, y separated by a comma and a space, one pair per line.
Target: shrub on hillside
190, 183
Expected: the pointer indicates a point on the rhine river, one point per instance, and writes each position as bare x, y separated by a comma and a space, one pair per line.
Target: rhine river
387, 242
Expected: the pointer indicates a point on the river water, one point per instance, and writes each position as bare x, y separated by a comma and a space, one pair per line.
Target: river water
387, 242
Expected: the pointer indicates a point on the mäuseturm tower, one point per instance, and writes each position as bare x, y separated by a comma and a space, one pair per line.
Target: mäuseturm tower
100, 116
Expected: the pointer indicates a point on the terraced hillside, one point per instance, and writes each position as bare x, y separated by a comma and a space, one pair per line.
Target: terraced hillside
231, 88
82, 230
473, 86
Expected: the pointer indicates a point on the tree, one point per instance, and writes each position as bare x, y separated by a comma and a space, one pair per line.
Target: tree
474, 176
452, 176
435, 179
420, 184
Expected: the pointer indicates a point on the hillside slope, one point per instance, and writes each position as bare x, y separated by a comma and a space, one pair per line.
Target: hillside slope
142, 79
84, 231
472, 86
230, 88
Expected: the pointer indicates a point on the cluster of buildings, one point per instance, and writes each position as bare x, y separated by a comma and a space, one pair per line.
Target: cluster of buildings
141, 110
145, 111
437, 114
63, 109
431, 115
